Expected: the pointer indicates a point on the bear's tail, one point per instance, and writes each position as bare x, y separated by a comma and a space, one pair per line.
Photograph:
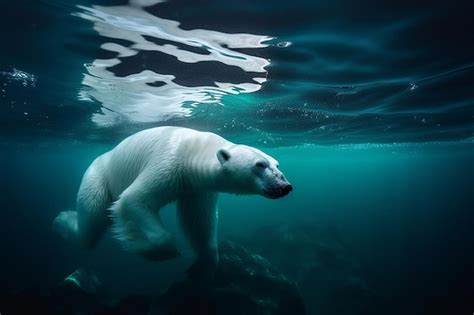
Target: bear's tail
66, 225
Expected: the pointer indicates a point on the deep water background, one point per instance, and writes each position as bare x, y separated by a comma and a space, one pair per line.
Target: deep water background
405, 212
368, 107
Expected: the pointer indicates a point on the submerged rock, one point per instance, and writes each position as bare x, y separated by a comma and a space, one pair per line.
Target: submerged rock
83, 280
131, 305
244, 283
76, 294
316, 257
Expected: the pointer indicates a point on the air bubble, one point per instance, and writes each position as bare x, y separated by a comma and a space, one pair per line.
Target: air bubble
284, 44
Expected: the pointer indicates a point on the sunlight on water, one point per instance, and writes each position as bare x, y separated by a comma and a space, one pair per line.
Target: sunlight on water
147, 95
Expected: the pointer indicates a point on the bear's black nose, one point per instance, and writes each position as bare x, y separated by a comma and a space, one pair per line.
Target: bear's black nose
287, 189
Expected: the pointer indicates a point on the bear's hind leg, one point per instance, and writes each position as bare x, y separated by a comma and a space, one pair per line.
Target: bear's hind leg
87, 224
137, 224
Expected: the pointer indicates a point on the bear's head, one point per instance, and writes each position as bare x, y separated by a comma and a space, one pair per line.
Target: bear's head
246, 170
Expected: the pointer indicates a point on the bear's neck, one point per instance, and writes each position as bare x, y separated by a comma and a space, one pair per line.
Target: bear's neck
203, 169
204, 173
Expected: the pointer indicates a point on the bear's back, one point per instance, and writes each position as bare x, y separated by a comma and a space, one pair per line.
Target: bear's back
155, 150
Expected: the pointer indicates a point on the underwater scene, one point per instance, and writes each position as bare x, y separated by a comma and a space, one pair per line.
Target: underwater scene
237, 157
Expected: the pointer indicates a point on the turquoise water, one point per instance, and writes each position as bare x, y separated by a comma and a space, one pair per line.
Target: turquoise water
368, 108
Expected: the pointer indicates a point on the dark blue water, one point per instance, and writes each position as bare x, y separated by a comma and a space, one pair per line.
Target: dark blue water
367, 105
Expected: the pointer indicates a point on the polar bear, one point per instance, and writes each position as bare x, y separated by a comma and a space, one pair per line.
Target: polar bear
126, 187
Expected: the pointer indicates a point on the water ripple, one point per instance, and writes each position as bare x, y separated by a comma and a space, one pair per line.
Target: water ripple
271, 73
137, 86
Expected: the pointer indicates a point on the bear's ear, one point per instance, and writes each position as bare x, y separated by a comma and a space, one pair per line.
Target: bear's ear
223, 155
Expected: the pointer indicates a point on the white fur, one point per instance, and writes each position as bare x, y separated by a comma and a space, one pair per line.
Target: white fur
154, 167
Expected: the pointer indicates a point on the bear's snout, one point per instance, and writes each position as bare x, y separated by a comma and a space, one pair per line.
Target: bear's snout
286, 189
278, 191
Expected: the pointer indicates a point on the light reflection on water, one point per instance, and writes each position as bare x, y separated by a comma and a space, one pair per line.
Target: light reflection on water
144, 95
370, 76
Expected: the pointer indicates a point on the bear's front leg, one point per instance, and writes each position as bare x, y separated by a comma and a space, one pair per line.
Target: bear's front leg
197, 213
137, 223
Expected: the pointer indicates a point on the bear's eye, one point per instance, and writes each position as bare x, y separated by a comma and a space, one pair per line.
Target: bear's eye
261, 164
